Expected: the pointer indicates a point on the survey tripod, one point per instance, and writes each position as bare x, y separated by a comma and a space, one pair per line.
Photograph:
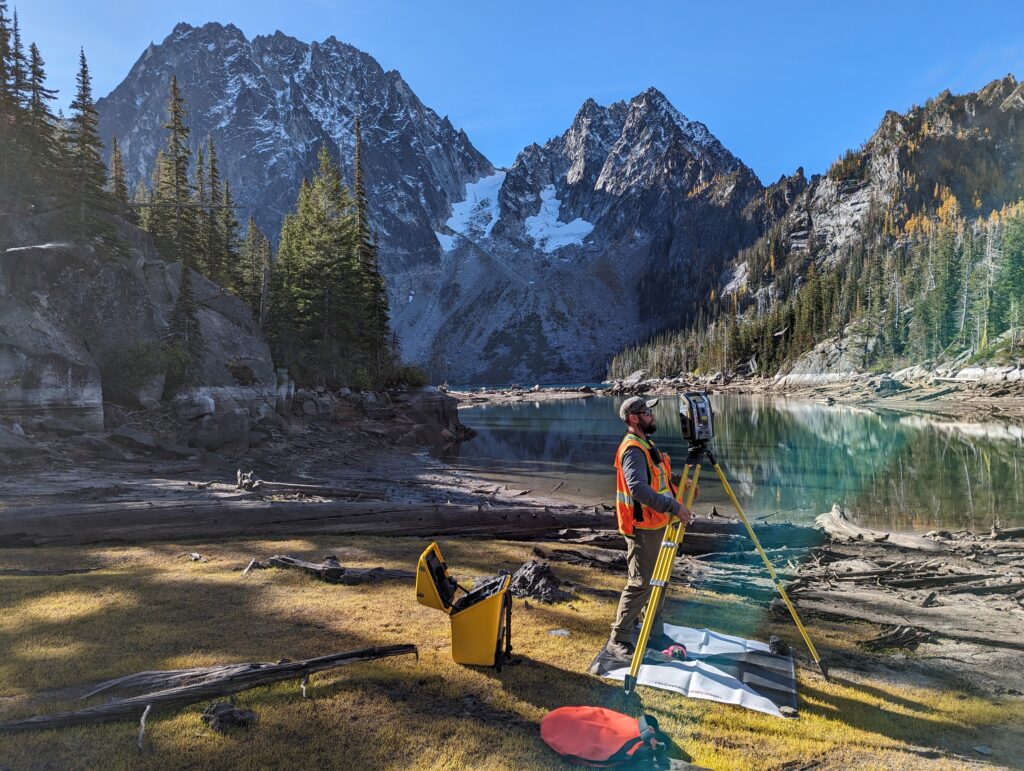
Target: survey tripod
699, 449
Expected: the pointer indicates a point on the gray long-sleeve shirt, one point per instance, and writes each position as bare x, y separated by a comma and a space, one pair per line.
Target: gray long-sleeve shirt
634, 467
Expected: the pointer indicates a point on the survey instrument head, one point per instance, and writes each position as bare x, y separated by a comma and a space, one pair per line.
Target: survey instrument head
696, 418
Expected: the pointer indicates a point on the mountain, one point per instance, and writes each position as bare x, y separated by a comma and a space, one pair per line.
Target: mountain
532, 273
907, 246
271, 102
544, 279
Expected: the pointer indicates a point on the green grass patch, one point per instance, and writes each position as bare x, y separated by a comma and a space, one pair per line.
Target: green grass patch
148, 607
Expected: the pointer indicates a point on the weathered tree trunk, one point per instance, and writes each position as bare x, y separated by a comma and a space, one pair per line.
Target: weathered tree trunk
333, 572
191, 686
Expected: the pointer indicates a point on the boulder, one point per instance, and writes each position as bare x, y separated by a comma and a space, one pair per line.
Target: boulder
194, 407
133, 439
216, 431
11, 444
634, 379
887, 384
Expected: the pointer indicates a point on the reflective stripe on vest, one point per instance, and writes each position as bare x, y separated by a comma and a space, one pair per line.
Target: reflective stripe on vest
660, 480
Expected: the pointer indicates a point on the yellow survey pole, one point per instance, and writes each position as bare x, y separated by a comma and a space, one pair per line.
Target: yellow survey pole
670, 544
771, 569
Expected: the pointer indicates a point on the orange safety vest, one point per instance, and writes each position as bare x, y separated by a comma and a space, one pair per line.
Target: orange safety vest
632, 514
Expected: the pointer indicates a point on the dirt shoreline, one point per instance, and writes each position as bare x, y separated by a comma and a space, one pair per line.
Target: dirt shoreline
956, 400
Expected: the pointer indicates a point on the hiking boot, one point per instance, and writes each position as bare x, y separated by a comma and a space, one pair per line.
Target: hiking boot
620, 651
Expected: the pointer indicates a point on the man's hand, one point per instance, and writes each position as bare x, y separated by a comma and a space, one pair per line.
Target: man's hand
684, 515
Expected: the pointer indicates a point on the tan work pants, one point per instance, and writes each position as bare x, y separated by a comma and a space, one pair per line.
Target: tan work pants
641, 553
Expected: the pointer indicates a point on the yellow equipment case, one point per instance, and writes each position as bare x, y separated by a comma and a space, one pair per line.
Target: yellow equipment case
481, 618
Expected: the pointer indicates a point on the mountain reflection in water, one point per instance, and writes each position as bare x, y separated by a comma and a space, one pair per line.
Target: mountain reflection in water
787, 459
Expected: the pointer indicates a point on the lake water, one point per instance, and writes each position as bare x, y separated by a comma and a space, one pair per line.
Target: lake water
787, 460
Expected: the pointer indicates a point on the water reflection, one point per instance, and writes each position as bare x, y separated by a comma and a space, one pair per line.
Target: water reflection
788, 460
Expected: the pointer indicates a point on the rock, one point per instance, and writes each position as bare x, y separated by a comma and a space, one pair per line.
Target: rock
983, 749
194, 407
789, 712
13, 444
634, 379
536, 581
585, 389
17, 430
559, 633
223, 716
887, 384
80, 326
536, 387
133, 439
175, 450
216, 431
309, 408
241, 371
93, 446
60, 427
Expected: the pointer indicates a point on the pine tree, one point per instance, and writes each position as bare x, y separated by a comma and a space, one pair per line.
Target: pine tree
87, 175
184, 334
41, 128
118, 183
227, 231
213, 247
176, 234
376, 322
202, 214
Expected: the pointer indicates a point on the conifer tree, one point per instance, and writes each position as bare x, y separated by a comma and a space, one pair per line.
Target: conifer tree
376, 335
213, 241
184, 335
41, 129
227, 231
118, 183
202, 214
87, 175
176, 233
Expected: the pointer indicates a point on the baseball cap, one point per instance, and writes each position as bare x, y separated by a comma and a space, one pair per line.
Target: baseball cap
635, 404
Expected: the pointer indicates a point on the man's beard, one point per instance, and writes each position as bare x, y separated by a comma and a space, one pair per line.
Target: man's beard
651, 428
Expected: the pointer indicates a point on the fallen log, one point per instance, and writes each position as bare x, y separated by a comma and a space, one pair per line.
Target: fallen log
142, 521
988, 589
838, 526
332, 571
936, 580
202, 685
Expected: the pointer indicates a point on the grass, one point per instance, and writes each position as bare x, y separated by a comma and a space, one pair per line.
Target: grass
151, 608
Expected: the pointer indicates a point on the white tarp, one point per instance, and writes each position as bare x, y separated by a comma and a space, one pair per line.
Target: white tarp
720, 667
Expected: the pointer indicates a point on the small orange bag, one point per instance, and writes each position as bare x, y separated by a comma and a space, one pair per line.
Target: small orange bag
596, 736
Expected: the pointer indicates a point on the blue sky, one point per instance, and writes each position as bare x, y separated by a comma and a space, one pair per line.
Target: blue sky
782, 84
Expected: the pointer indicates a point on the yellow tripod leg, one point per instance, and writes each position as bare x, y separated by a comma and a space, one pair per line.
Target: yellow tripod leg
660, 577
771, 571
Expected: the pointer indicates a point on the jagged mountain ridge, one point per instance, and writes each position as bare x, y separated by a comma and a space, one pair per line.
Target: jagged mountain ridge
271, 102
633, 199
531, 273
970, 144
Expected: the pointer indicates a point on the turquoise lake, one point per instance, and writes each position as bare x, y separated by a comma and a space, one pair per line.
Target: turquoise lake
787, 460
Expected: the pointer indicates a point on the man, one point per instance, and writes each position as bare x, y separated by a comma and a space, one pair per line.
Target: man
644, 504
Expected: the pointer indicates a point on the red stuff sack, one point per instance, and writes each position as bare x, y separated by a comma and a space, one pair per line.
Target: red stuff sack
595, 736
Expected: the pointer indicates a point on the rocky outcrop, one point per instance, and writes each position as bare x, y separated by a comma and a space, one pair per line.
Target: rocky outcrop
80, 327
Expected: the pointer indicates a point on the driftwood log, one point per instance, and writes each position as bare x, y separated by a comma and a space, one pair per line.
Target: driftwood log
248, 482
332, 571
179, 688
142, 521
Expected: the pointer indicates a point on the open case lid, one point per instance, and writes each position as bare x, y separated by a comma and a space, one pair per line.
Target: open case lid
434, 587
